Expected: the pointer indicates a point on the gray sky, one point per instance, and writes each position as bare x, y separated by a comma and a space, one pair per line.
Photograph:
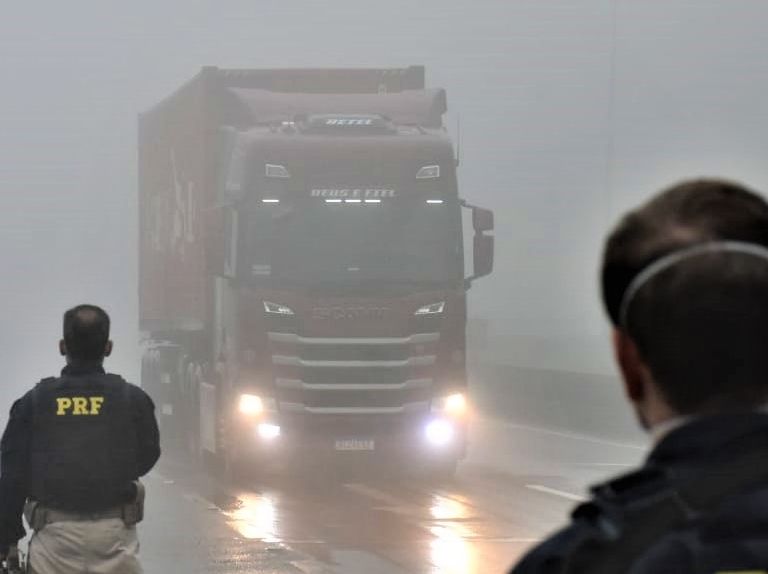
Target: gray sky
571, 111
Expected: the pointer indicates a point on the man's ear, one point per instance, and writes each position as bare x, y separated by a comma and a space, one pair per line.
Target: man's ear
62, 348
108, 349
633, 369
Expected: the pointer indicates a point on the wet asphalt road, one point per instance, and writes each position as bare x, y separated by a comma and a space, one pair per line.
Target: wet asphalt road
518, 484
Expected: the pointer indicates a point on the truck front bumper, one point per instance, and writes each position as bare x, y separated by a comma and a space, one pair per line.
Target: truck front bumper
414, 441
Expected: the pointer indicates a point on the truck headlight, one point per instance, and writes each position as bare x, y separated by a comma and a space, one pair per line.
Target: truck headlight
253, 405
428, 172
250, 405
277, 309
277, 171
431, 309
454, 405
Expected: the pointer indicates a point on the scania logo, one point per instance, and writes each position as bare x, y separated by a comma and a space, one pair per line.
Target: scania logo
356, 312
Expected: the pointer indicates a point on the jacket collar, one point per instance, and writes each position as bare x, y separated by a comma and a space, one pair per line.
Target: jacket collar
709, 436
86, 368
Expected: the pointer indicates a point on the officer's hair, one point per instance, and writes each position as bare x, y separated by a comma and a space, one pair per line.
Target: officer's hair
702, 324
86, 332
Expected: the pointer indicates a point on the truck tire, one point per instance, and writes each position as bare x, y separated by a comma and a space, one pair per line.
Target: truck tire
236, 470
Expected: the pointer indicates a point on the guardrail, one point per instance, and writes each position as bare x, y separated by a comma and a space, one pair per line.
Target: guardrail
588, 404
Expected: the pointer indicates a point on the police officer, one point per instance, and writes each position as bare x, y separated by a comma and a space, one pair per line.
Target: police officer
73, 451
685, 283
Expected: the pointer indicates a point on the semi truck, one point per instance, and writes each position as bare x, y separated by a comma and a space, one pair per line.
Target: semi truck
302, 282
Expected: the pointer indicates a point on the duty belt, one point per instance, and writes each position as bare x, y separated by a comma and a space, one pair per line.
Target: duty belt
131, 513
50, 515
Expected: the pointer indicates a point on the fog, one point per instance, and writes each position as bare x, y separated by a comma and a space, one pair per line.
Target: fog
570, 112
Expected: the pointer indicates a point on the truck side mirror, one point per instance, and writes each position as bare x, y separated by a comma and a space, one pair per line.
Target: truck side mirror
483, 245
482, 219
482, 257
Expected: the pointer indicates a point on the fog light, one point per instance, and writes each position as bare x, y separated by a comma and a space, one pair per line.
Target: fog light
440, 433
268, 431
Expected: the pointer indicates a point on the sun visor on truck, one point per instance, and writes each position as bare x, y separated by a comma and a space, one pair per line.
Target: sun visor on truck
409, 107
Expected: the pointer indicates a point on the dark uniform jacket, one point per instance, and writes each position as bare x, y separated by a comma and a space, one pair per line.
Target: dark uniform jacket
75, 443
698, 505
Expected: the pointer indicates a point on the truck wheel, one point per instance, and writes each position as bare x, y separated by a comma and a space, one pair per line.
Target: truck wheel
237, 466
234, 469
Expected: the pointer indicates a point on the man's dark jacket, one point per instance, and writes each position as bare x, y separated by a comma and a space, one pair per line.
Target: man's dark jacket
698, 505
75, 443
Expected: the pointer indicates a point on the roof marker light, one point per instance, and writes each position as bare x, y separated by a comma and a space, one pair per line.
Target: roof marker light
270, 201
333, 201
278, 171
428, 172
435, 201
372, 201
353, 201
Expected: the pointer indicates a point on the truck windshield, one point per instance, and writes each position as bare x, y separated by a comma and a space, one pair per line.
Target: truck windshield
354, 244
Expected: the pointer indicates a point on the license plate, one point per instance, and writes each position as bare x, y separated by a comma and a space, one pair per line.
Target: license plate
355, 444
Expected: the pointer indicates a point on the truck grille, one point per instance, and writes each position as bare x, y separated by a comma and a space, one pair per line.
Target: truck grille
354, 375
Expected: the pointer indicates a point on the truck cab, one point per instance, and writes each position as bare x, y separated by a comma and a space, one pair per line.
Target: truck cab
337, 283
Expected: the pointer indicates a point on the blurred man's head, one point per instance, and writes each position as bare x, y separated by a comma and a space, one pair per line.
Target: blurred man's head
691, 333
86, 334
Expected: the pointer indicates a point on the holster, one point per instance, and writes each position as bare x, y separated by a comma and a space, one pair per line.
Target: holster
35, 513
133, 512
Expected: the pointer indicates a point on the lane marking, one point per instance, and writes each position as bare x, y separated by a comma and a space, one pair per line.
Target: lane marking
565, 434
201, 501
560, 493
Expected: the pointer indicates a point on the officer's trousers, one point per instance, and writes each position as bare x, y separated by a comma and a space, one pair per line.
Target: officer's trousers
105, 546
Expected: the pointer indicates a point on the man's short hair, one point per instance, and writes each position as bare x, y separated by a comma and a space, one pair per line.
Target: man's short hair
86, 332
701, 325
